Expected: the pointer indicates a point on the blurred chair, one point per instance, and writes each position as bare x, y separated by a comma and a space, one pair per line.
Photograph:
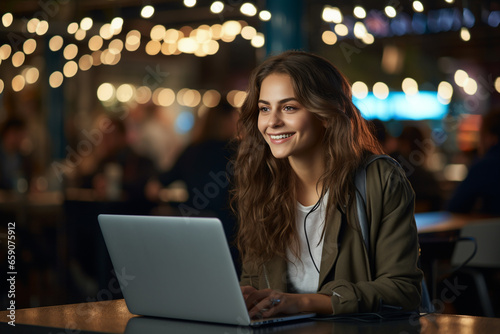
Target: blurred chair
479, 248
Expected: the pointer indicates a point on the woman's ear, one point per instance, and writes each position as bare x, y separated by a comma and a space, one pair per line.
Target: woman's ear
325, 123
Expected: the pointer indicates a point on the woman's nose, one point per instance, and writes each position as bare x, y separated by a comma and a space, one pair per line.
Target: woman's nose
274, 119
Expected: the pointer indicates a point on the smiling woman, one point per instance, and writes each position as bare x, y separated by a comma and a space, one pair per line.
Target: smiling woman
302, 140
290, 130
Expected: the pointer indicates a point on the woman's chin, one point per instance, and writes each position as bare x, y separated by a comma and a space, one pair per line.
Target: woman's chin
279, 155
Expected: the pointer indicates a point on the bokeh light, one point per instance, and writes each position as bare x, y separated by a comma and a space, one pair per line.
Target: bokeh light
86, 23
359, 90
165, 97
329, 37
143, 95
157, 32
7, 19
418, 6
380, 90
29, 46
18, 83
85, 62
390, 11
409, 86
184, 122
265, 15
18, 58
5, 51
445, 92
56, 79
248, 32
72, 28
341, 29
211, 98
461, 78
217, 7
153, 48
95, 42
248, 9
359, 12
56, 43
70, 69
105, 92
70, 51
258, 41
32, 74
147, 11
125, 93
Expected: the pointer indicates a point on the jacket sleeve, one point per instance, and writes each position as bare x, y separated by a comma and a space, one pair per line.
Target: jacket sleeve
396, 278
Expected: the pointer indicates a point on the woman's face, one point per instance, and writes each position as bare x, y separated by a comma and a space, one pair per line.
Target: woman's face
290, 130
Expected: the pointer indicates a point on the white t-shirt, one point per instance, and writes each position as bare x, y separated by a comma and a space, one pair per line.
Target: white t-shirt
301, 272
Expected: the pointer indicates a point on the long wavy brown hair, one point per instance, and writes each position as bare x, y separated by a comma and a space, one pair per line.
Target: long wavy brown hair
264, 196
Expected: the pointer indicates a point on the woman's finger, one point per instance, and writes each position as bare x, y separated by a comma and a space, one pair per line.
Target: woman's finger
256, 297
274, 308
266, 306
247, 290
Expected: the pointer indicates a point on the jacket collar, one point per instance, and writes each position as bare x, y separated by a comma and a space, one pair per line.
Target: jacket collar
330, 245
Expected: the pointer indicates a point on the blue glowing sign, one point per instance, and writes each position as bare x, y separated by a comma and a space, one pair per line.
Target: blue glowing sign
399, 106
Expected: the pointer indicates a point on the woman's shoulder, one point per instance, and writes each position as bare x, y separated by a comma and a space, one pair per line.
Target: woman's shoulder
386, 172
381, 164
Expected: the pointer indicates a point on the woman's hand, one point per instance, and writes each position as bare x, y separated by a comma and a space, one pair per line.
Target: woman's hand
268, 303
247, 290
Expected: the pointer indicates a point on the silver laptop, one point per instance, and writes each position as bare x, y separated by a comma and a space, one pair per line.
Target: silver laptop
177, 267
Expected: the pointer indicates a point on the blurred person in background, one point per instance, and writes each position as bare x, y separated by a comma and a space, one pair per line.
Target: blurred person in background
204, 167
113, 169
115, 176
34, 240
412, 154
379, 130
16, 166
152, 132
479, 192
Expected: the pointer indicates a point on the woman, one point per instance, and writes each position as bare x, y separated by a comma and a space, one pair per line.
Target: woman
302, 140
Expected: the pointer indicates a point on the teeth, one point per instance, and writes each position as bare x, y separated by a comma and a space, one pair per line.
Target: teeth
281, 136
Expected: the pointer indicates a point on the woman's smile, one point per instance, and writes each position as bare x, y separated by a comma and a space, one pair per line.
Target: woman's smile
280, 138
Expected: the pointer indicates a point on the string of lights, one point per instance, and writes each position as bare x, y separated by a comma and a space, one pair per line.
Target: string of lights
106, 42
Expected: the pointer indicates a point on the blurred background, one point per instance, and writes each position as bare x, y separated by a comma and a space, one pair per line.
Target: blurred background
127, 106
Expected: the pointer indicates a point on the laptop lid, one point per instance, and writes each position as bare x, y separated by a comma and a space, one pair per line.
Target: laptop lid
176, 267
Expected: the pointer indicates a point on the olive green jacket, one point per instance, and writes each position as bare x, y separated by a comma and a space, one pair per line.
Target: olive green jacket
345, 274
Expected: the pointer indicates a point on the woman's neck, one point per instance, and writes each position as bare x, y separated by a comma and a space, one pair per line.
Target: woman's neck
307, 175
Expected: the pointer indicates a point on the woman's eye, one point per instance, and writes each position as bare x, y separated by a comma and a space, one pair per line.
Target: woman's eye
263, 109
289, 108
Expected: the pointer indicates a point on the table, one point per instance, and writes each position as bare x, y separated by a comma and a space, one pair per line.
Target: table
438, 233
441, 221
114, 317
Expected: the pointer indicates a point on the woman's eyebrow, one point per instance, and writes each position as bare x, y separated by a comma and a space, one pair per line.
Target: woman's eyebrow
288, 99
